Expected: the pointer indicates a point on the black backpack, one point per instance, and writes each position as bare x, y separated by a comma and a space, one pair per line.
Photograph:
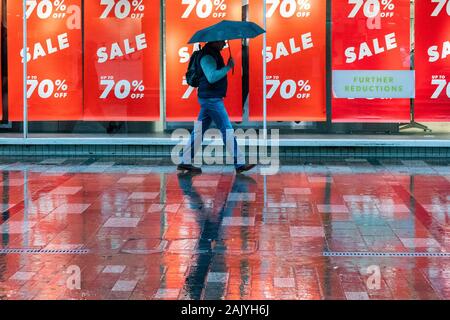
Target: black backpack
193, 73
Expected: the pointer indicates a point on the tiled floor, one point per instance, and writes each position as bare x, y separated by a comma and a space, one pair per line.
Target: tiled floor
324, 229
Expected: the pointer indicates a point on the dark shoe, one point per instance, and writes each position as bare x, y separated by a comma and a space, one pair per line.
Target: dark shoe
187, 175
189, 168
244, 180
245, 167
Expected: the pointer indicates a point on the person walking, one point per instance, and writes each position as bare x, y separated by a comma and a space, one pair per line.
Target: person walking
212, 90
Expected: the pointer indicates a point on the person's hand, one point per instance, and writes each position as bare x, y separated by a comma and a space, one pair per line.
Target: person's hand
230, 63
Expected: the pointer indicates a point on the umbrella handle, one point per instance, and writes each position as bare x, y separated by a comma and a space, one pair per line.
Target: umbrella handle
229, 49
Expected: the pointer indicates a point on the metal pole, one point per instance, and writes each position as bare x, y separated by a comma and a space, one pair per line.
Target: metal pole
265, 197
163, 69
25, 99
265, 69
329, 72
26, 213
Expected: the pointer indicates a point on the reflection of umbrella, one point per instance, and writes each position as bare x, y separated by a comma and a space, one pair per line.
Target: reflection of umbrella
227, 30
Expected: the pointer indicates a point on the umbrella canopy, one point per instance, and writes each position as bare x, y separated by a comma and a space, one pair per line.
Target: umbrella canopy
227, 30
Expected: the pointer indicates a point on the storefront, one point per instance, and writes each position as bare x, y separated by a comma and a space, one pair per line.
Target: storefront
116, 67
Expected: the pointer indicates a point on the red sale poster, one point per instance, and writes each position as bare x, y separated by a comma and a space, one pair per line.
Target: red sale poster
54, 56
183, 19
295, 56
432, 60
371, 35
122, 60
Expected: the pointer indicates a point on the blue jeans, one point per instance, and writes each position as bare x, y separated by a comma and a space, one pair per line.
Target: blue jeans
212, 109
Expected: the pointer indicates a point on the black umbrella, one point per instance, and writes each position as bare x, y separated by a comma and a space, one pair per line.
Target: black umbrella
228, 30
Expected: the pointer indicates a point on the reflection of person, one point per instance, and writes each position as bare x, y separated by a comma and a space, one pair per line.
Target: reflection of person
211, 92
406, 57
210, 240
101, 113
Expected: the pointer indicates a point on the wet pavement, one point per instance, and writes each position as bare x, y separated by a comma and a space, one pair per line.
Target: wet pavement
78, 228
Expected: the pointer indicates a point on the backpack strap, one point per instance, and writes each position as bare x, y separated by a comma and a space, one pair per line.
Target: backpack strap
198, 66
